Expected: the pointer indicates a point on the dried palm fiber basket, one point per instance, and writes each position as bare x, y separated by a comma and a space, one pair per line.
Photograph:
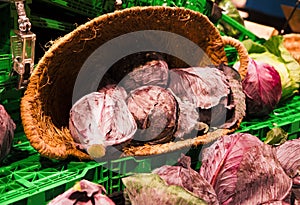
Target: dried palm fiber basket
292, 43
47, 101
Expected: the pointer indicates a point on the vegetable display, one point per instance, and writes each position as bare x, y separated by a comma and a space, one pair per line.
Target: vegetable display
7, 128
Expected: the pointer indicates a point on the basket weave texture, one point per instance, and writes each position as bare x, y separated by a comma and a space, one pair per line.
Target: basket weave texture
48, 99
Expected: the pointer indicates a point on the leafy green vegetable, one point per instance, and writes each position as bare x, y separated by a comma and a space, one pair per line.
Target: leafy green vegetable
276, 136
151, 189
274, 53
230, 10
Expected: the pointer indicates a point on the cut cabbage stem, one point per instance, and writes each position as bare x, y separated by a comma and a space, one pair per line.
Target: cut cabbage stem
201, 126
96, 151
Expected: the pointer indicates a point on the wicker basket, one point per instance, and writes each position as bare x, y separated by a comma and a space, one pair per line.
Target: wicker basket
292, 43
47, 101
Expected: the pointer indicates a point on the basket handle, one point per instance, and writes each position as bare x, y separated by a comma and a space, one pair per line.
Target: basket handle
242, 52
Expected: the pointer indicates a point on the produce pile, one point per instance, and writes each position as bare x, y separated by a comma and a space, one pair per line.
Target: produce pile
236, 169
155, 104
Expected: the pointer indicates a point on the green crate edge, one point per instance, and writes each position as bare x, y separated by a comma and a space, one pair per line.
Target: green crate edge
29, 182
286, 116
5, 67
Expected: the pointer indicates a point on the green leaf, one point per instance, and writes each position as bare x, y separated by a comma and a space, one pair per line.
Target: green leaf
276, 136
147, 188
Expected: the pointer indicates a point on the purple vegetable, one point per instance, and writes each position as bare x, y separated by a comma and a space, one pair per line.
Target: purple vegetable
187, 119
207, 89
244, 170
296, 188
202, 86
83, 193
183, 175
221, 161
7, 128
155, 111
288, 155
154, 72
261, 179
102, 119
262, 86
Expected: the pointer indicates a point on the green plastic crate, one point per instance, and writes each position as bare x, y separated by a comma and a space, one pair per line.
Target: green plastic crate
286, 116
51, 24
127, 166
5, 23
5, 67
36, 180
202, 6
82, 7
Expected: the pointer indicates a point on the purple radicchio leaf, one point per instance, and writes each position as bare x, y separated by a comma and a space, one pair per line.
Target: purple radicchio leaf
288, 155
183, 175
202, 86
261, 179
102, 118
83, 193
221, 161
7, 128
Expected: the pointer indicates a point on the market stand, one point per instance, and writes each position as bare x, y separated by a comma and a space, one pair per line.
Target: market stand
28, 178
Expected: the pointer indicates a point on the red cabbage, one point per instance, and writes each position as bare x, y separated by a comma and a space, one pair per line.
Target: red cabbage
262, 86
244, 170
221, 160
83, 193
154, 72
102, 119
155, 111
202, 86
7, 128
288, 155
261, 179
